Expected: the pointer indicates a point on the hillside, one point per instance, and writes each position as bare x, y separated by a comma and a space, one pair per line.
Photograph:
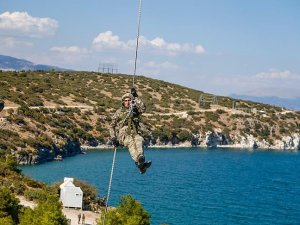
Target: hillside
8, 63
54, 113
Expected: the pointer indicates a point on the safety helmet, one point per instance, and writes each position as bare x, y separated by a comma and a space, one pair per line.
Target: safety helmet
127, 95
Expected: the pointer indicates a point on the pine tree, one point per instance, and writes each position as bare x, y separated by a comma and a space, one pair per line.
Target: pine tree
129, 212
46, 212
9, 207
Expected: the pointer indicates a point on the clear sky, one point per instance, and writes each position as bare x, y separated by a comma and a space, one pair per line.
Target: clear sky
218, 46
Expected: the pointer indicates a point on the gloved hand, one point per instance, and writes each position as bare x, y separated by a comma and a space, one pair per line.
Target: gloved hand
135, 111
115, 141
133, 92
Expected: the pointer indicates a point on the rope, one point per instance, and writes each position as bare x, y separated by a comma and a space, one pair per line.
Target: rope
110, 182
137, 41
130, 111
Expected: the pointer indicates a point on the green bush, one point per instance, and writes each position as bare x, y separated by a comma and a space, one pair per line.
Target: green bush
9, 207
184, 135
129, 212
47, 212
33, 183
7, 220
211, 116
35, 195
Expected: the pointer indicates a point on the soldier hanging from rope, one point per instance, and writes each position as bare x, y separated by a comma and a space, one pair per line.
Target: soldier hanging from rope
126, 128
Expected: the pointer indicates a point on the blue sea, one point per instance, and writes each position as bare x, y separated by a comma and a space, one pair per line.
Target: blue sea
194, 186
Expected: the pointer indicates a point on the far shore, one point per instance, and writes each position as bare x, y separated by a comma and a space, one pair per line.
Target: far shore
168, 146
110, 147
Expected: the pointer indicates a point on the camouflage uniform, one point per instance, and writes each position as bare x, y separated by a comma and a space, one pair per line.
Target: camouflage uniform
127, 128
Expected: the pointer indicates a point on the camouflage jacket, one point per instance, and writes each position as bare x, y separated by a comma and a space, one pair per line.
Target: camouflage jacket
125, 122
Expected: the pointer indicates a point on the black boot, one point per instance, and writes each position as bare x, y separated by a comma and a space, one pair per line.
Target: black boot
145, 166
140, 160
142, 165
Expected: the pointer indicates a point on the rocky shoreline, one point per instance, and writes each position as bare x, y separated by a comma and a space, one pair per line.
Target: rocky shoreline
219, 140
70, 148
208, 140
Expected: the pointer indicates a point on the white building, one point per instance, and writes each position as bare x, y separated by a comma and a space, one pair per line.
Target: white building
70, 195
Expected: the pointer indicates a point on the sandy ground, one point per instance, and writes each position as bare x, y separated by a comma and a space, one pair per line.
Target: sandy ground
25, 202
70, 213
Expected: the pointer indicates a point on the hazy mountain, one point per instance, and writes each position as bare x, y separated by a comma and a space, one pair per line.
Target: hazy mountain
290, 103
8, 63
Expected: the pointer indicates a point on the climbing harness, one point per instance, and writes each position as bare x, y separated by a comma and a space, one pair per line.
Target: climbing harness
129, 112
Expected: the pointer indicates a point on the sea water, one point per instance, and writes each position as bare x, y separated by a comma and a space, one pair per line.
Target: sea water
193, 186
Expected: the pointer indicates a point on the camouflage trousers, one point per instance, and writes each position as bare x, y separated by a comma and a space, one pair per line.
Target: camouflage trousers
133, 141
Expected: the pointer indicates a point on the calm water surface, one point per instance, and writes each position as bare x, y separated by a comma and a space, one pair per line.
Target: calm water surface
194, 186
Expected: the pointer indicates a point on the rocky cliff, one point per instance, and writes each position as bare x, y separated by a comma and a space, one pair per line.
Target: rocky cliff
44, 154
212, 139
218, 139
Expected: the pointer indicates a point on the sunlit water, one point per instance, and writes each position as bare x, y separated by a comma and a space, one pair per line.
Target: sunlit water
194, 186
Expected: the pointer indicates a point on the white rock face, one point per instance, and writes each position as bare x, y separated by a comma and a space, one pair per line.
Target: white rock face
291, 142
218, 139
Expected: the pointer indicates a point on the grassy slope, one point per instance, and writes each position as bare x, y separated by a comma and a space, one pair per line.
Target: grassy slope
99, 95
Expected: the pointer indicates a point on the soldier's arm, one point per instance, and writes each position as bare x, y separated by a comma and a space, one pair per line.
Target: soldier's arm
138, 102
113, 124
140, 105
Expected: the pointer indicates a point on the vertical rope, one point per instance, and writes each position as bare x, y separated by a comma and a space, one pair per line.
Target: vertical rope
137, 40
115, 150
110, 183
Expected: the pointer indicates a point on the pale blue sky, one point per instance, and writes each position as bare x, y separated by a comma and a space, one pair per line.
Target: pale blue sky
218, 46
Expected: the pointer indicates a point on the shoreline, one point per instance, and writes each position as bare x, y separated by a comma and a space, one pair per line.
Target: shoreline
154, 147
86, 148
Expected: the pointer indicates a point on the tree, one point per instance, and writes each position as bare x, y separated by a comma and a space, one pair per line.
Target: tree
12, 164
129, 212
184, 135
6, 220
9, 207
46, 212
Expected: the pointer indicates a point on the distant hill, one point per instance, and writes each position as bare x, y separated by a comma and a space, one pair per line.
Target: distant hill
290, 103
8, 63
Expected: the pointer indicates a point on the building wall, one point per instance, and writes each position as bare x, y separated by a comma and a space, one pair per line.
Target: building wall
71, 197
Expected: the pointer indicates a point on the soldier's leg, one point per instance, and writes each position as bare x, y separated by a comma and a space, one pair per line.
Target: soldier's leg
134, 143
135, 147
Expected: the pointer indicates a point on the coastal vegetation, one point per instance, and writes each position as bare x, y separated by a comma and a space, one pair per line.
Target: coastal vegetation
12, 184
129, 212
53, 113
48, 209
